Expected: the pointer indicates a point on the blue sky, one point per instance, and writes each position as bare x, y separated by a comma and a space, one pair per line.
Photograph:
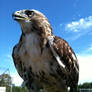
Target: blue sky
70, 19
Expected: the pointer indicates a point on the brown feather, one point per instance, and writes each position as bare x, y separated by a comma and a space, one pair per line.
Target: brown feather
69, 59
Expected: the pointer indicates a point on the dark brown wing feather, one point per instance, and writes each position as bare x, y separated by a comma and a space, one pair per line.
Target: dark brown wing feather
70, 61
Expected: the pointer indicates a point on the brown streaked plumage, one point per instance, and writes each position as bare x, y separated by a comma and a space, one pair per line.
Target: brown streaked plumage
43, 60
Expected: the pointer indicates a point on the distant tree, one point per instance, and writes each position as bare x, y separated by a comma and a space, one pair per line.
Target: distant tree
5, 80
19, 89
85, 85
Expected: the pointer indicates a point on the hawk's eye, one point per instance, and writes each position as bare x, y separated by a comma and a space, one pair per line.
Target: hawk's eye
29, 13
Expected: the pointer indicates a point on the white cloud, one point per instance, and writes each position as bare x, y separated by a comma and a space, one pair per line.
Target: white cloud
16, 79
85, 63
81, 24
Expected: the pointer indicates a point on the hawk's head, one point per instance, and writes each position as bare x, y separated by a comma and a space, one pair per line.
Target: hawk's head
33, 21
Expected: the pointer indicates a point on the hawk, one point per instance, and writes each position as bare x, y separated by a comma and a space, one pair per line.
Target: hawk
43, 60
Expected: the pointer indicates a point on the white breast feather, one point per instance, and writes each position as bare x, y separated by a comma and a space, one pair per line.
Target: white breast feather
33, 57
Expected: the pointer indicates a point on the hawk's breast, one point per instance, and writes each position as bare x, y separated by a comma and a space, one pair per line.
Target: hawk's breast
31, 56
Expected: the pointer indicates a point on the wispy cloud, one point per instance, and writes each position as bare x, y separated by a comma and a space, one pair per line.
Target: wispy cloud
90, 48
80, 25
79, 28
9, 56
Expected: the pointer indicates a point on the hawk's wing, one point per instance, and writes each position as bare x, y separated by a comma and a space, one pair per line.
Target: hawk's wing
17, 60
67, 60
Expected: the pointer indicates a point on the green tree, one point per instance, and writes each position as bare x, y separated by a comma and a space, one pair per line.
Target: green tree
19, 89
24, 87
5, 80
85, 85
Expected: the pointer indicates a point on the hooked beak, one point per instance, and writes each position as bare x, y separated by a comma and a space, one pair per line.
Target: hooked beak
19, 15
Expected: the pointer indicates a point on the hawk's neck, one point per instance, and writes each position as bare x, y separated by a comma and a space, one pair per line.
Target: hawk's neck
32, 44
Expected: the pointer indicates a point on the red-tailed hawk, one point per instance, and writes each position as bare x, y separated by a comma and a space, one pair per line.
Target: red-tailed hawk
43, 60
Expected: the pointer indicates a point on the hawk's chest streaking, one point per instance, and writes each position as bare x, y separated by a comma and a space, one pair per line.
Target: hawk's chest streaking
39, 65
42, 59
31, 55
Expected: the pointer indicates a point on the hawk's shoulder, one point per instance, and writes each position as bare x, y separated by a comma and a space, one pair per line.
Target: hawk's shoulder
64, 51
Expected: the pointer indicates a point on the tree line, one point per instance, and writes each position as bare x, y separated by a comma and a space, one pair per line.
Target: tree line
85, 85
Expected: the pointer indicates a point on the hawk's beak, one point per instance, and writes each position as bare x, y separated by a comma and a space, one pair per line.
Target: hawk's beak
19, 15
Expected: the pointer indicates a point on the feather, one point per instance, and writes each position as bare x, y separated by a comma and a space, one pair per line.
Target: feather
50, 41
